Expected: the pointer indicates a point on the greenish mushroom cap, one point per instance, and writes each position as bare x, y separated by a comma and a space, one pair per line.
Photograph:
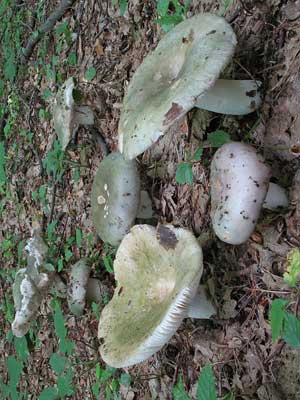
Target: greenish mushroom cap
157, 274
184, 65
115, 197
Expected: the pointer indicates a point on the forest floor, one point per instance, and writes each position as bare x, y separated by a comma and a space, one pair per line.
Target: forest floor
242, 280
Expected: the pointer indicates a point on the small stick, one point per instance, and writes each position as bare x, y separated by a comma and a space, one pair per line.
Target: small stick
45, 28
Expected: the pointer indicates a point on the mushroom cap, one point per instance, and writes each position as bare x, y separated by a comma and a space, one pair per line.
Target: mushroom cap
157, 274
78, 285
63, 113
239, 184
184, 65
115, 197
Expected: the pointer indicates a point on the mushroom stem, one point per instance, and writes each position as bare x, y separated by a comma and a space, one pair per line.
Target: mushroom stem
95, 290
201, 307
231, 97
83, 115
276, 198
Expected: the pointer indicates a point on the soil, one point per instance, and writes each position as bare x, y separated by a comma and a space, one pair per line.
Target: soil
241, 280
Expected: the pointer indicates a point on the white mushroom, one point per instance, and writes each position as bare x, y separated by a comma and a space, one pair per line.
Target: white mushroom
67, 116
157, 274
181, 73
115, 197
239, 186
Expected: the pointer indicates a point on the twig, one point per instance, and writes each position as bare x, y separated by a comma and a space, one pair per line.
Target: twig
45, 28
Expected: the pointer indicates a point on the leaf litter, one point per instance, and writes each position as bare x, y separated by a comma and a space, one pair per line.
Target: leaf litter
242, 280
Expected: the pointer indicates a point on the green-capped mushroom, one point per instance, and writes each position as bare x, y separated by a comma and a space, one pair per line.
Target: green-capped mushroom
182, 73
157, 274
115, 197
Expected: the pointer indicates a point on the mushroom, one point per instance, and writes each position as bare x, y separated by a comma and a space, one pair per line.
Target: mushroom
115, 197
67, 116
82, 287
31, 285
239, 187
179, 74
157, 274
77, 287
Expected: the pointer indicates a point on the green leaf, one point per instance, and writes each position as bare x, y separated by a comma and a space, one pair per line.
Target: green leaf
68, 255
108, 264
21, 348
291, 330
3, 178
47, 94
78, 236
292, 276
229, 396
59, 323
225, 6
218, 138
14, 369
206, 384
162, 7
48, 393
76, 174
96, 311
58, 363
123, 6
184, 173
90, 73
60, 265
72, 58
276, 317
168, 21
64, 384
179, 392
125, 379
198, 154
49, 267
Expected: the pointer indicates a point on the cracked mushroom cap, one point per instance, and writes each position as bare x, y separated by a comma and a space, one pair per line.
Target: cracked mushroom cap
239, 184
115, 197
184, 65
157, 274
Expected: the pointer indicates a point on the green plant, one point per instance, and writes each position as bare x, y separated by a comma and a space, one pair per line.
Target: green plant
284, 323
61, 361
109, 380
122, 4
167, 19
184, 170
206, 387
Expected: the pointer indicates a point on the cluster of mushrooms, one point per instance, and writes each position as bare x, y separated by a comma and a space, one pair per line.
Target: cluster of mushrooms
158, 270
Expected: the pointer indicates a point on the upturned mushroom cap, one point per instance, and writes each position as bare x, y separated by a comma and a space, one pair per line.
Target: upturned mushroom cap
115, 197
184, 65
157, 274
67, 116
63, 113
77, 287
239, 184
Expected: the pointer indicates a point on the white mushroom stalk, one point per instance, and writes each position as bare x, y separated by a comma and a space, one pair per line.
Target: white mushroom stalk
77, 287
231, 97
157, 274
201, 307
67, 116
276, 198
239, 186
